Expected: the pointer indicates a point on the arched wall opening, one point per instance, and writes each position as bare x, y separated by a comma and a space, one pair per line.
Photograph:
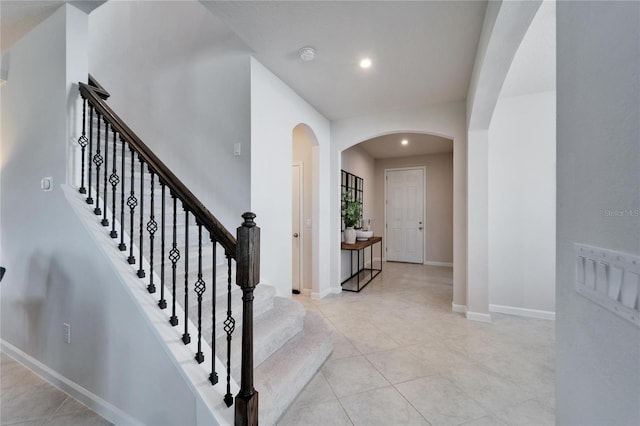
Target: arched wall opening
304, 144
429, 155
444, 120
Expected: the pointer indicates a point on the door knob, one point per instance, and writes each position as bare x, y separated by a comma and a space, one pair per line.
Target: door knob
295, 235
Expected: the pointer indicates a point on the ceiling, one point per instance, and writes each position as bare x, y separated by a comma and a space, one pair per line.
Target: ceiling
18, 17
422, 51
390, 146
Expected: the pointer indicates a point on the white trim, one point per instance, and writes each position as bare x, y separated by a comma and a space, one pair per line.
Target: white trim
459, 308
477, 316
447, 264
91, 400
306, 292
424, 207
323, 294
301, 265
523, 312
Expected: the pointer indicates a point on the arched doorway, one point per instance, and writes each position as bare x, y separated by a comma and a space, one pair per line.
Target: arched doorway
431, 227
304, 210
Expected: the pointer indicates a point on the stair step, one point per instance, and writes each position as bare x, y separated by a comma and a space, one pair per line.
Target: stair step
284, 374
271, 330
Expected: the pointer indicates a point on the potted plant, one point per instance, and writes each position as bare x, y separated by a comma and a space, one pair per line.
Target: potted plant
351, 214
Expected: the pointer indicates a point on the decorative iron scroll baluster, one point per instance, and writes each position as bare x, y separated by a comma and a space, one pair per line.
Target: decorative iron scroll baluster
162, 303
98, 160
140, 269
200, 287
229, 326
152, 227
90, 157
105, 221
113, 180
83, 141
185, 337
132, 202
244, 250
174, 256
122, 246
213, 377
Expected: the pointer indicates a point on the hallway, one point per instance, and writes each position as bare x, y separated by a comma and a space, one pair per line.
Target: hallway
401, 357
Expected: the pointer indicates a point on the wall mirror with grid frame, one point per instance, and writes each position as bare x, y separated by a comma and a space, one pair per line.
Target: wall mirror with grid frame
350, 183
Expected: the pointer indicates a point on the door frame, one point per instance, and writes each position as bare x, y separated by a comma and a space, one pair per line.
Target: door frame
301, 265
424, 208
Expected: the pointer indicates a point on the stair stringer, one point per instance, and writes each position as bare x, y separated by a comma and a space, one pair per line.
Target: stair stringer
210, 407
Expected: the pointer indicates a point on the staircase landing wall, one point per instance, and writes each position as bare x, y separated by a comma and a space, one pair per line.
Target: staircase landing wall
55, 271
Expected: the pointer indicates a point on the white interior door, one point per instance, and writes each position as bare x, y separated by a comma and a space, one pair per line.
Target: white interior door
405, 215
296, 235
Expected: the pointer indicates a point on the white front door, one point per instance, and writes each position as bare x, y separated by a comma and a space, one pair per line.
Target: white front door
405, 215
296, 237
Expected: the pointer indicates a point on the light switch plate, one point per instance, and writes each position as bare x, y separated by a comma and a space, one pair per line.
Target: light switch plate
609, 278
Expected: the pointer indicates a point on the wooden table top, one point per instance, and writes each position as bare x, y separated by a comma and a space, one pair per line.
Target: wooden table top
358, 245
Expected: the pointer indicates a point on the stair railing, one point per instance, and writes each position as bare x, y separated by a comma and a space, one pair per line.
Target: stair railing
109, 153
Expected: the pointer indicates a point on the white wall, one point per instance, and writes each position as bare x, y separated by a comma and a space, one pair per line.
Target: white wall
180, 79
598, 156
446, 120
275, 111
522, 206
55, 271
504, 27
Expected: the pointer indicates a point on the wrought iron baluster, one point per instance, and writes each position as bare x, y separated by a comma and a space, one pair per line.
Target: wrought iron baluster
141, 273
152, 227
213, 377
200, 287
122, 246
113, 180
132, 202
162, 303
185, 337
83, 141
105, 221
98, 160
90, 158
229, 327
174, 256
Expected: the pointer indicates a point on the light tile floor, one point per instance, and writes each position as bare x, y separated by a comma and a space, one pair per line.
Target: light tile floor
402, 357
27, 400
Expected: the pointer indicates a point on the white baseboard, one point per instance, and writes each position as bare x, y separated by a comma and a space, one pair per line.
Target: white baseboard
523, 312
459, 308
476, 316
91, 400
448, 264
306, 292
320, 295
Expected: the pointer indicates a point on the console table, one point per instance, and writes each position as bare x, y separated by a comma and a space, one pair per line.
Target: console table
367, 274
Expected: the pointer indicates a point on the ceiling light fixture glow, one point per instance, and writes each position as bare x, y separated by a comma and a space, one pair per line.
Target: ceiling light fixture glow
307, 53
365, 63
404, 142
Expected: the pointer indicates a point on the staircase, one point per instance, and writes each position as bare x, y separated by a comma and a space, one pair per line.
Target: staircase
192, 262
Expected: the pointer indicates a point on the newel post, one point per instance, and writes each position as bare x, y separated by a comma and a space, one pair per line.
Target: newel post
247, 277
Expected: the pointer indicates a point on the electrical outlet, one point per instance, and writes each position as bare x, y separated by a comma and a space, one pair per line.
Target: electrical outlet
67, 333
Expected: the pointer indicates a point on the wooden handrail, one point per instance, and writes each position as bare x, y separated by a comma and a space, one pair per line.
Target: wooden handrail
96, 96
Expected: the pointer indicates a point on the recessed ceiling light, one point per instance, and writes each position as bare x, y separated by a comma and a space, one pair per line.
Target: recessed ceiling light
365, 63
307, 53
404, 142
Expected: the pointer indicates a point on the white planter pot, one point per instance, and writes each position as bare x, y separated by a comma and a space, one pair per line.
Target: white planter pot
349, 235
